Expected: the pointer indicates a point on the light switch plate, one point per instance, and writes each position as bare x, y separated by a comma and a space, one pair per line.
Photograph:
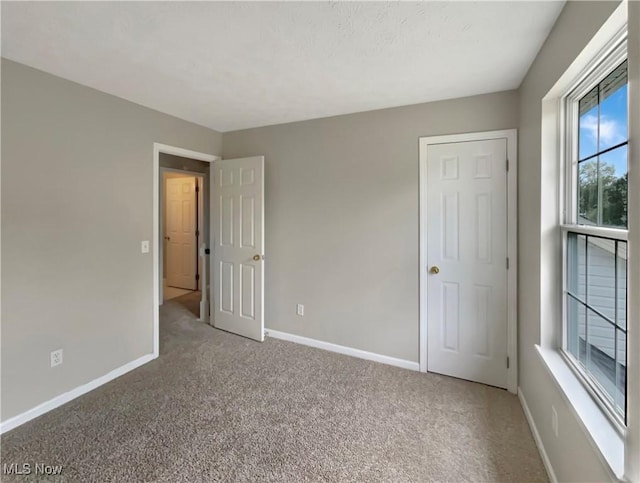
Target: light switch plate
144, 246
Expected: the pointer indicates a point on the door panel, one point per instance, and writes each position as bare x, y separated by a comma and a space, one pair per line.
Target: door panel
248, 221
238, 234
450, 316
467, 241
181, 232
247, 294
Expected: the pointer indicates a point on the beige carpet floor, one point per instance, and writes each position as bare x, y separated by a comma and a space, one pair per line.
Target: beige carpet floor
217, 407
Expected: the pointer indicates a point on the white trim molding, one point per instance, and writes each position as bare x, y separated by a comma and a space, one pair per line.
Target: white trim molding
64, 398
536, 437
157, 236
340, 349
511, 135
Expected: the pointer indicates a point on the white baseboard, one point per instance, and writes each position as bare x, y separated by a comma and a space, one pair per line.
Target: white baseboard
340, 349
57, 401
537, 439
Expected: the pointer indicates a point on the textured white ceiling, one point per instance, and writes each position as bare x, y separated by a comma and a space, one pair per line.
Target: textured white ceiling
237, 65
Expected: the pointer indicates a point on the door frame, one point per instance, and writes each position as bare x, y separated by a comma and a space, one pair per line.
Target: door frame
511, 135
200, 202
157, 234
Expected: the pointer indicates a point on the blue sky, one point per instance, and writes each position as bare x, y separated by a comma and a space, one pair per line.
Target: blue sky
613, 130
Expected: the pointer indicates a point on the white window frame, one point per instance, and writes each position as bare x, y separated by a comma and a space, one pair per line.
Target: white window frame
602, 65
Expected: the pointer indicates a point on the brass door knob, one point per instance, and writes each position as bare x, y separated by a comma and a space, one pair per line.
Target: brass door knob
256, 258
435, 270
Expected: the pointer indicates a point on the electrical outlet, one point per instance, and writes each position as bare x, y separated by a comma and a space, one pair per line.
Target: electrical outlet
554, 421
300, 310
144, 246
56, 358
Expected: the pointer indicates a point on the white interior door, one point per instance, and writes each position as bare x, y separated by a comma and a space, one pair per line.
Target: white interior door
467, 260
237, 204
180, 232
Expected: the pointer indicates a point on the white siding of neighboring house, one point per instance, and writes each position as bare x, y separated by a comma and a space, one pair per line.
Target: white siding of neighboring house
602, 294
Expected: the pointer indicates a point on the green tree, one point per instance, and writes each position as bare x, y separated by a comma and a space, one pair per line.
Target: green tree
613, 211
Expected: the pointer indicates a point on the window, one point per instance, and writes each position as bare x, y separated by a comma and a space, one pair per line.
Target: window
595, 232
602, 152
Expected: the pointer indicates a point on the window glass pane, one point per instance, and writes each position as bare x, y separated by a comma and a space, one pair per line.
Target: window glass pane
588, 192
588, 132
622, 285
582, 333
601, 354
613, 178
613, 108
621, 378
576, 265
576, 329
596, 311
601, 276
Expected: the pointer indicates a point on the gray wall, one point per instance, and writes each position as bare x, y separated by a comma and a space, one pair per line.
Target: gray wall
76, 202
572, 457
342, 217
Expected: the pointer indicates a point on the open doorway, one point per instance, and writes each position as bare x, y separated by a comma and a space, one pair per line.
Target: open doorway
232, 240
184, 215
182, 219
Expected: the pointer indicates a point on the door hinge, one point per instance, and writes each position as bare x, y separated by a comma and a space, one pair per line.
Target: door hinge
507, 263
197, 277
197, 189
507, 165
507, 363
197, 232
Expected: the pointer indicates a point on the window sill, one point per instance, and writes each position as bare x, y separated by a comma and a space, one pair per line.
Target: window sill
601, 432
